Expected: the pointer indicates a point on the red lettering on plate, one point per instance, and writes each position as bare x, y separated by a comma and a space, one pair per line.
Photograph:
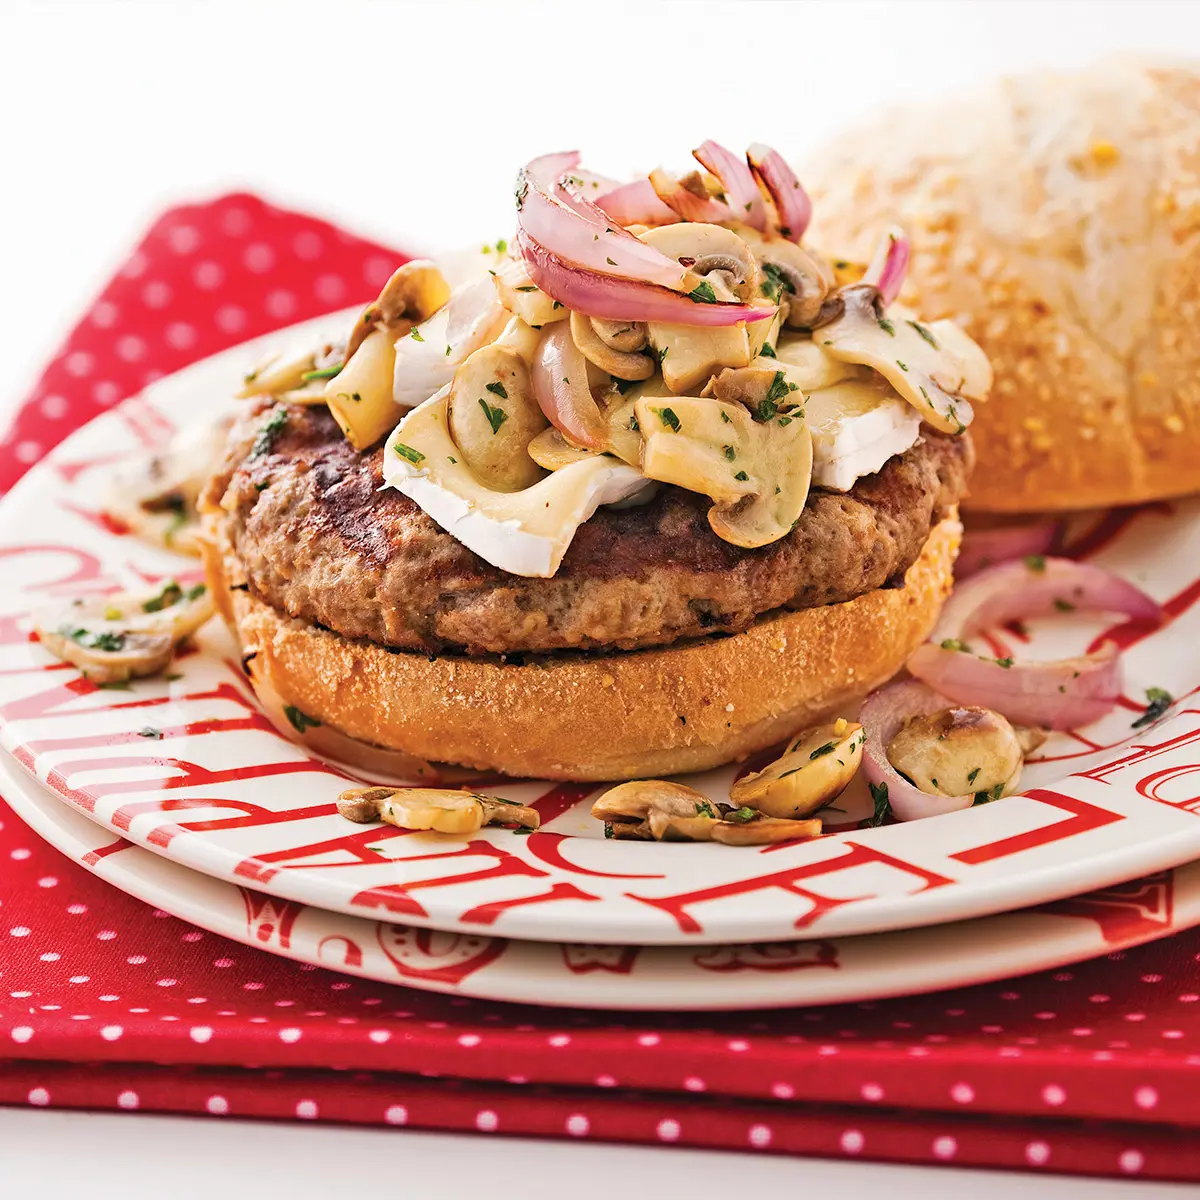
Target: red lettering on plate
583, 959
488, 914
789, 880
1084, 818
560, 799
1126, 911
548, 848
769, 956
1141, 752
268, 919
352, 955
436, 957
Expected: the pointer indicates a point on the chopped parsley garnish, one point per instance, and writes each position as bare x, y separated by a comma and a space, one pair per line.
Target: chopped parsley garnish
497, 389
104, 639
1063, 605
886, 326
730, 453
725, 417
1004, 662
413, 456
148, 731
742, 816
973, 776
522, 189
741, 477
704, 809
768, 406
634, 426
501, 246
623, 385
171, 594
195, 592
702, 293
768, 351
883, 806
989, 796
495, 416
299, 721
784, 422
955, 644
775, 283
1158, 700
828, 748
271, 429
668, 418
529, 287
612, 262
447, 349
608, 830
902, 366
1036, 563
323, 373
416, 335
925, 334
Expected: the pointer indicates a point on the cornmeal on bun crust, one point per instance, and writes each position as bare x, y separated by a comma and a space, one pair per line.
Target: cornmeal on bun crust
1057, 217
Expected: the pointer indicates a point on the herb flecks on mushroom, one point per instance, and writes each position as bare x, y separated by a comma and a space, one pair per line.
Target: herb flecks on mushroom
113, 639
433, 809
814, 770
657, 810
959, 750
756, 471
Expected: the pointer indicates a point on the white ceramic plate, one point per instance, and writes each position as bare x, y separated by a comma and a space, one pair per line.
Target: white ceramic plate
224, 793
763, 975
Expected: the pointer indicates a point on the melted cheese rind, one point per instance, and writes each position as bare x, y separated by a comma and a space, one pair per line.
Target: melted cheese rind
524, 533
857, 425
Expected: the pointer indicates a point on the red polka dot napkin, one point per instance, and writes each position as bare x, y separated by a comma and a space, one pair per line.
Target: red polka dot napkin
105, 1003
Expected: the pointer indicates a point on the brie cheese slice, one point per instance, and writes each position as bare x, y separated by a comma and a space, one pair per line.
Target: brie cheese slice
524, 533
857, 425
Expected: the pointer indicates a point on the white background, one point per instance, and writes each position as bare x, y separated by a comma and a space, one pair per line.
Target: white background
407, 122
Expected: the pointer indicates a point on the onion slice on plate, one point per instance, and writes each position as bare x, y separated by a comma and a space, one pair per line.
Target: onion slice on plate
560, 384
1055, 695
890, 264
884, 713
741, 188
793, 208
990, 547
686, 205
597, 295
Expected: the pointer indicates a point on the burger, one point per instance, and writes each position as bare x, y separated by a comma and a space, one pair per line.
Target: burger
1055, 215
643, 490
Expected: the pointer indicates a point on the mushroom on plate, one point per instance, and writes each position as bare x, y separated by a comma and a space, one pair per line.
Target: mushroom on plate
814, 770
957, 751
113, 639
621, 364
434, 809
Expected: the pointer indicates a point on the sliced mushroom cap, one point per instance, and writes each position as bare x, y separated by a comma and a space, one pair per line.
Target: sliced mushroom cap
520, 336
521, 296
756, 472
714, 253
796, 279
156, 495
906, 353
618, 363
494, 417
626, 336
811, 773
301, 369
810, 365
763, 831
360, 395
412, 295
125, 636
551, 449
434, 809
690, 355
958, 751
632, 802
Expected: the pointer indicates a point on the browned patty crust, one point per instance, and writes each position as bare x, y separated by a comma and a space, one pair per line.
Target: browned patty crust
312, 534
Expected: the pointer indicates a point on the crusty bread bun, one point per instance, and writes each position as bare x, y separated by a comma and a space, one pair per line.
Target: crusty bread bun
1058, 217
632, 714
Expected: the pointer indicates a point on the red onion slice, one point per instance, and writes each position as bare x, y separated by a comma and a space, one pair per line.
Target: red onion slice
989, 547
884, 713
573, 228
636, 203
686, 205
793, 208
560, 384
1055, 695
603, 296
890, 264
741, 188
